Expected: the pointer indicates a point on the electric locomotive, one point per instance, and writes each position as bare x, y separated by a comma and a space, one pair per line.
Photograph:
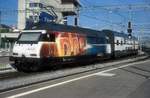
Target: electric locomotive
49, 44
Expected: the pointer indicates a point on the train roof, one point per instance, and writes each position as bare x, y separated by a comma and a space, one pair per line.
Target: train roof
75, 29
115, 33
65, 28
120, 34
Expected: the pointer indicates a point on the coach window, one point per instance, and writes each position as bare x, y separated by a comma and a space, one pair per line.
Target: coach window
121, 42
107, 40
124, 41
117, 42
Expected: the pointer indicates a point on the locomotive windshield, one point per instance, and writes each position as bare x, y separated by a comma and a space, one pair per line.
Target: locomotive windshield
29, 37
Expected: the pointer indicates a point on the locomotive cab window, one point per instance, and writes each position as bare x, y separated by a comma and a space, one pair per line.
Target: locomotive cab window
44, 37
29, 37
48, 37
52, 37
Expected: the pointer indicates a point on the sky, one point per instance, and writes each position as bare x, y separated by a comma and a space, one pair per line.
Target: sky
9, 18
99, 17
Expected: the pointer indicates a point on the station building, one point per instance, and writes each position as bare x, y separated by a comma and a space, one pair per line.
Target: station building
7, 37
32, 11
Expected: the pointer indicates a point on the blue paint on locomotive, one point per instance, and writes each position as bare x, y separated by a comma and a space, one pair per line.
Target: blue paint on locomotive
94, 50
96, 45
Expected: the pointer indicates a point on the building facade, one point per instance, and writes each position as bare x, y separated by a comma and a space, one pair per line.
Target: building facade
32, 11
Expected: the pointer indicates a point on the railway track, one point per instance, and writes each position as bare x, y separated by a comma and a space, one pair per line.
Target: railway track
10, 80
10, 73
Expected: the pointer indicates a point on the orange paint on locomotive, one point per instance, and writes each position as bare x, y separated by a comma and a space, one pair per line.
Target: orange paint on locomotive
49, 49
72, 44
44, 50
66, 44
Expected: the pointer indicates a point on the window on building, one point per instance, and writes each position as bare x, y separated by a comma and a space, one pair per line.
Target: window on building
36, 5
36, 18
67, 1
40, 5
31, 17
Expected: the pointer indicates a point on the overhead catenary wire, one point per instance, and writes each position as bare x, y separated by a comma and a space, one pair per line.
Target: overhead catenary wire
114, 8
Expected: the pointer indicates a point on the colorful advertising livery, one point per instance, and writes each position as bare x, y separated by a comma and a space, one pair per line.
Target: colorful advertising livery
44, 45
64, 44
